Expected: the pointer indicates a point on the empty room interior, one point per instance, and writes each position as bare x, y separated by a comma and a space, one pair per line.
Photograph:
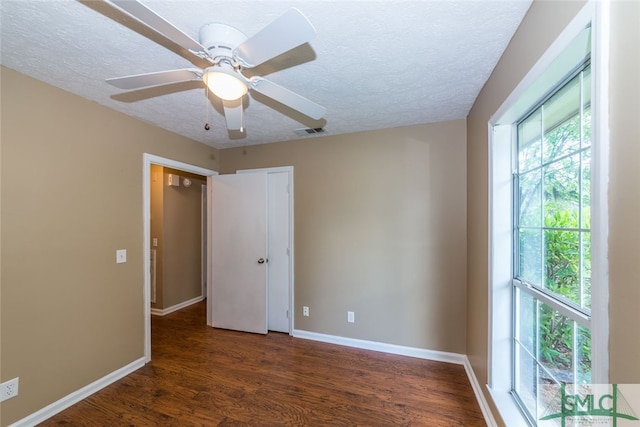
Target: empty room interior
443, 192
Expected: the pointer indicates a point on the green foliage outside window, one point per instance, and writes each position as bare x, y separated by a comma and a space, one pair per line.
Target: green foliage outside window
554, 227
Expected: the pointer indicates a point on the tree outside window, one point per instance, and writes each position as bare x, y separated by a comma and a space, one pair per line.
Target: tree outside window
553, 244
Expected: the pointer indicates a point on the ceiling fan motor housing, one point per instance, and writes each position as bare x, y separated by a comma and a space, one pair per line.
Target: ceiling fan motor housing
220, 40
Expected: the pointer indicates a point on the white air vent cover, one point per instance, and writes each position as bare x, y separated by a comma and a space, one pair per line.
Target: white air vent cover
309, 131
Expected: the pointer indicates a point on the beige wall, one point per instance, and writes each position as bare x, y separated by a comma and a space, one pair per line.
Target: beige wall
380, 229
157, 228
71, 195
624, 194
181, 240
525, 49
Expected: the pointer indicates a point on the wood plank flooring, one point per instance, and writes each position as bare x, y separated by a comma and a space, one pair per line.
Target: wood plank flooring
200, 376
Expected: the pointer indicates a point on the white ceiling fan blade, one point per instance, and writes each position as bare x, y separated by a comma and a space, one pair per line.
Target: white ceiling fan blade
233, 114
158, 23
159, 78
288, 31
287, 97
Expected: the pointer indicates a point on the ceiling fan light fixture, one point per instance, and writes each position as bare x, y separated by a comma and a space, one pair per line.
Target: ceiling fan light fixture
224, 83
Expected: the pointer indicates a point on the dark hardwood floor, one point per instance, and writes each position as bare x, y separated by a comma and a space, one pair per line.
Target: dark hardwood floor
210, 377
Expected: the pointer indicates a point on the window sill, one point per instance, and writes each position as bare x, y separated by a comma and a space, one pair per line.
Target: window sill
508, 409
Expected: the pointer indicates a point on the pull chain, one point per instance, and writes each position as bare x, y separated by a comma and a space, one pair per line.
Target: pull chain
206, 125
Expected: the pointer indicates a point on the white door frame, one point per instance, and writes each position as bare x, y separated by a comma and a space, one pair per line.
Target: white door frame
289, 171
147, 160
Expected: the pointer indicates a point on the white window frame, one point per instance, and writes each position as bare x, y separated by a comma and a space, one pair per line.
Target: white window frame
502, 131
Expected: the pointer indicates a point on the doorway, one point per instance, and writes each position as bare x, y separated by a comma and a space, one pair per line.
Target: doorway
282, 177
148, 161
177, 233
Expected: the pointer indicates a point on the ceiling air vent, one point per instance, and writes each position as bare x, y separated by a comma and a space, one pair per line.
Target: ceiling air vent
309, 131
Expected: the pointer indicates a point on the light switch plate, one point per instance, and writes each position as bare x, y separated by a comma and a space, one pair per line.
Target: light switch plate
121, 256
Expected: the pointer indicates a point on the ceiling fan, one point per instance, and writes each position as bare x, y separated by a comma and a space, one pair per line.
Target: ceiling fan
228, 52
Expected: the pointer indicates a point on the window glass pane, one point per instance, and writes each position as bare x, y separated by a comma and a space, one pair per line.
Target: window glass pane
555, 346
526, 381
586, 270
562, 193
586, 102
561, 121
586, 128
530, 263
531, 199
547, 399
583, 374
585, 198
529, 142
562, 263
527, 325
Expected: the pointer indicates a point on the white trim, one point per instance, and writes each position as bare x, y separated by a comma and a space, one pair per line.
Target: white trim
268, 170
165, 311
600, 200
564, 309
500, 273
78, 395
420, 353
204, 230
289, 171
147, 160
174, 164
477, 390
209, 250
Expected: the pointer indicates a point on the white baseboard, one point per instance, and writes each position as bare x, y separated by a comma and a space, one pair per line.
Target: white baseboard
165, 311
440, 356
75, 397
477, 390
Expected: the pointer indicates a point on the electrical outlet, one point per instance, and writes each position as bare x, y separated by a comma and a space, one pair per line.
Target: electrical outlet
305, 311
9, 389
351, 317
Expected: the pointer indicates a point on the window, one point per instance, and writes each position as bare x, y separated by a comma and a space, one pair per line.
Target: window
548, 224
552, 244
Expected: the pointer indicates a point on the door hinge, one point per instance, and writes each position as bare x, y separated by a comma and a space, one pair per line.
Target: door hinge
288, 252
287, 314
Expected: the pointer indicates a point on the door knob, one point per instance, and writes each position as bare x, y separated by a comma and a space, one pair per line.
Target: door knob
261, 261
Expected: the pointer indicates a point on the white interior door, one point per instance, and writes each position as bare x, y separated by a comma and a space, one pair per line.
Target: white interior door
238, 297
279, 252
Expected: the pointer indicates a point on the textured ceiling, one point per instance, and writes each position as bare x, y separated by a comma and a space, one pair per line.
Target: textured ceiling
373, 64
